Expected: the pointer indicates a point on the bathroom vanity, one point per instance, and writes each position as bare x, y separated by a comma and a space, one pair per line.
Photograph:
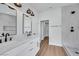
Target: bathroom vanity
23, 47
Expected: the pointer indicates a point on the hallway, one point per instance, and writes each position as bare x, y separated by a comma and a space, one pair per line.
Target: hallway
50, 50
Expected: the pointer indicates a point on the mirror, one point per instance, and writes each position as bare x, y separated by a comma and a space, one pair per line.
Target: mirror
27, 25
8, 20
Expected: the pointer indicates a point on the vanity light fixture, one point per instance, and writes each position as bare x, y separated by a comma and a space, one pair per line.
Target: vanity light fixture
11, 8
32, 14
29, 11
18, 4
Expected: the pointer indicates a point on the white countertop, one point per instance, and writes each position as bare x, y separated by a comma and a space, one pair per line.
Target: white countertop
7, 46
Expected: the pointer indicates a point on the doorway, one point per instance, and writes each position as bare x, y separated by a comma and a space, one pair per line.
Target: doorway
44, 33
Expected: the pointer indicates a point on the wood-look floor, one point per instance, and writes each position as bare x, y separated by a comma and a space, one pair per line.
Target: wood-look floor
50, 50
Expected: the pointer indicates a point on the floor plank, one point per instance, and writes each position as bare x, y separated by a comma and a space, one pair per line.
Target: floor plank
50, 50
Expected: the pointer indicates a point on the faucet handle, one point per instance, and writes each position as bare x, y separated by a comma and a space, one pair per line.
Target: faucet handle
10, 38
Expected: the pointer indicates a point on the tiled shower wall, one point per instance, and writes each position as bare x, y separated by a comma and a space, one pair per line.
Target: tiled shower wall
70, 39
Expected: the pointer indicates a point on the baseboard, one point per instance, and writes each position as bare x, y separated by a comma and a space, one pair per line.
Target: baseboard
55, 44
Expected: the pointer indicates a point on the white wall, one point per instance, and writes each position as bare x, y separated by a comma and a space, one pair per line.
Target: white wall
35, 24
54, 17
19, 23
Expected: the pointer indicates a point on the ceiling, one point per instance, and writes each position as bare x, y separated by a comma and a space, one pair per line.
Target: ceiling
40, 7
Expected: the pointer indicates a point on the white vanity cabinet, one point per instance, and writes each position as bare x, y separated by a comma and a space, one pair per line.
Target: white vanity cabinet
29, 48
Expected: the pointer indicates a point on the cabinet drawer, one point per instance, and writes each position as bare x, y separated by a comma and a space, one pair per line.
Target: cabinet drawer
26, 52
23, 50
30, 52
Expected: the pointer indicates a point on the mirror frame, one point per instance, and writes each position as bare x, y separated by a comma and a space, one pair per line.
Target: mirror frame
23, 23
16, 16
